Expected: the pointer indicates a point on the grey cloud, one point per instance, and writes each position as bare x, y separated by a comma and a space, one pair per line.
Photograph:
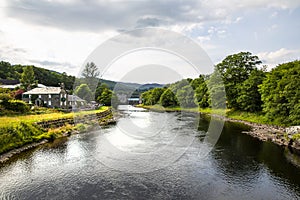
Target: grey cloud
19, 50
95, 16
52, 63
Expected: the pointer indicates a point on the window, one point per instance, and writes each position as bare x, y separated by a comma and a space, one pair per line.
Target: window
49, 96
40, 96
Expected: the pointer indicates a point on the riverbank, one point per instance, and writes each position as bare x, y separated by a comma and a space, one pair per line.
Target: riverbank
264, 130
18, 134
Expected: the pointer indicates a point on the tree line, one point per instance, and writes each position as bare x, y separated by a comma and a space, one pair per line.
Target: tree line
42, 76
238, 83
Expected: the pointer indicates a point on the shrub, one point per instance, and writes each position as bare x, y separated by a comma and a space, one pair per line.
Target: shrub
17, 106
4, 98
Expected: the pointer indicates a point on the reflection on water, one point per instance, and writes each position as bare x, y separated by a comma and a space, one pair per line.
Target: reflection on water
239, 166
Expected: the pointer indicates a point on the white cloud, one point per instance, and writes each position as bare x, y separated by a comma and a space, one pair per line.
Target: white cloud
271, 59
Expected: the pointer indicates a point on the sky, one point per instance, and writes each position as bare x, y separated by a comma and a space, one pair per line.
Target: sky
61, 34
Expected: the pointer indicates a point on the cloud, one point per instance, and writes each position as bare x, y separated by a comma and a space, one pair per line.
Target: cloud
51, 63
280, 56
56, 66
102, 15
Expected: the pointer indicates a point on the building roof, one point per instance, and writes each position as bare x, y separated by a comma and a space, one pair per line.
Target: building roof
75, 98
18, 85
9, 82
45, 90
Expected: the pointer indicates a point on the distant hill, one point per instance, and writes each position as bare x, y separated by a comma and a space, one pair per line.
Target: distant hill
53, 78
44, 76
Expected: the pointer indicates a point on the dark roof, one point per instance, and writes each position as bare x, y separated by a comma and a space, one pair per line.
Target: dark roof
9, 82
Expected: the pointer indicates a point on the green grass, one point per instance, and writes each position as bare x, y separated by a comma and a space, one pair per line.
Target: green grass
31, 118
238, 115
17, 131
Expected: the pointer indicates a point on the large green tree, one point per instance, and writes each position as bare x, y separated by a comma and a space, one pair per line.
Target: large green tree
185, 97
216, 90
201, 91
27, 78
235, 69
168, 98
105, 97
280, 93
84, 92
249, 98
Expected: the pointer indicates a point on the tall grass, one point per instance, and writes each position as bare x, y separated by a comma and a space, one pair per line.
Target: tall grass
16, 131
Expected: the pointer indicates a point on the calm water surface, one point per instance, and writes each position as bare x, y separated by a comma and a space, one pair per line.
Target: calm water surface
83, 166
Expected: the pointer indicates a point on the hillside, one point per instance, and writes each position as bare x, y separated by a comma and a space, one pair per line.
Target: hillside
53, 78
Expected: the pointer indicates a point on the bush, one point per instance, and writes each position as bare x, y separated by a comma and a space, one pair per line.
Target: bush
17, 106
4, 98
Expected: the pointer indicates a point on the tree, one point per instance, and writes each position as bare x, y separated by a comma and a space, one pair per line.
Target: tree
105, 97
280, 93
146, 97
216, 89
201, 92
151, 97
185, 97
235, 69
108, 98
249, 98
168, 98
155, 95
84, 92
99, 90
90, 74
27, 78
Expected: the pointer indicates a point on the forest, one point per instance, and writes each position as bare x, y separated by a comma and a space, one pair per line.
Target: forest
238, 83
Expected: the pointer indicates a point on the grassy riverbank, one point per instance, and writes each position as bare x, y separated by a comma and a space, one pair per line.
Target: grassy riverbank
238, 115
17, 131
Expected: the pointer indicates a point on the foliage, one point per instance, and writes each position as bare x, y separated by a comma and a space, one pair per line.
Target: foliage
17, 94
84, 92
99, 90
201, 91
4, 98
185, 97
105, 97
249, 98
20, 130
280, 93
27, 78
18, 135
235, 69
8, 103
151, 97
43, 76
217, 96
168, 98
7, 71
17, 106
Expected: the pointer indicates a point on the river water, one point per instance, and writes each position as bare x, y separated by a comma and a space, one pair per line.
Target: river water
150, 155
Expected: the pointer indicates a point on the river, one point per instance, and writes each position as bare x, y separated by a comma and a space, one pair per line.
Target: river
150, 155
